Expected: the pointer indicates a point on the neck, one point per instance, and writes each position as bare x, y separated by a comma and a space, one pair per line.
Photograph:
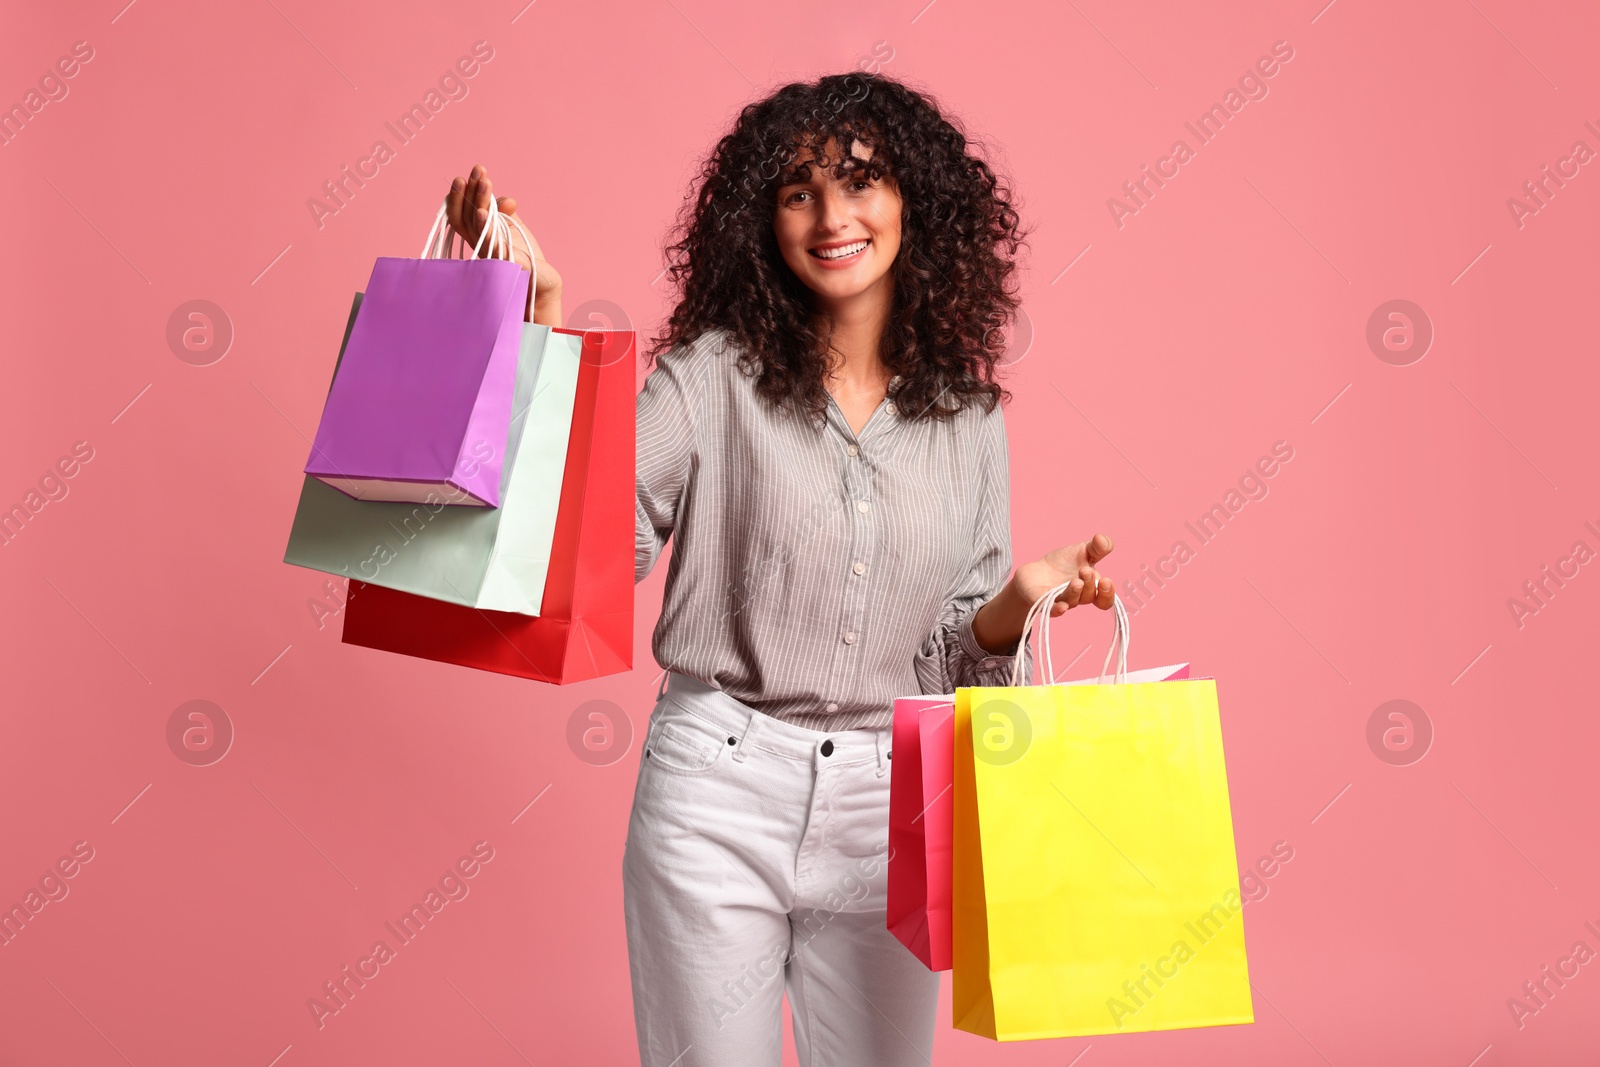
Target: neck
855, 343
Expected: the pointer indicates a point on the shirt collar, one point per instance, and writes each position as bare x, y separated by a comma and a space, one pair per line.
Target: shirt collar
888, 411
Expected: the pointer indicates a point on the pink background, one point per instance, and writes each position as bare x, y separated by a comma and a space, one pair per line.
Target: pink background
1229, 313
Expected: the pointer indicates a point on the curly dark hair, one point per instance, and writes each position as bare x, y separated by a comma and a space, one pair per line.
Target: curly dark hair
952, 279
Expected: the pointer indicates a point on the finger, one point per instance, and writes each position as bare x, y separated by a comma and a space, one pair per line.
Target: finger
453, 203
1074, 593
1108, 591
485, 190
469, 201
1090, 578
505, 205
477, 205
481, 215
469, 214
1099, 547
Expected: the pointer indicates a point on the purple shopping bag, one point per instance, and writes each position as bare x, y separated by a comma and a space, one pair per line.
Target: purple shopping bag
421, 407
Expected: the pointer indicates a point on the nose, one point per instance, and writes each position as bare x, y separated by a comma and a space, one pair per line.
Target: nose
833, 211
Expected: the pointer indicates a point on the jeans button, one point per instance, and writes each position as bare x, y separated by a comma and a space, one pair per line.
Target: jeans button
827, 748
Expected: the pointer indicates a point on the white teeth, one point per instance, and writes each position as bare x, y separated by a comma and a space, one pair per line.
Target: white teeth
840, 253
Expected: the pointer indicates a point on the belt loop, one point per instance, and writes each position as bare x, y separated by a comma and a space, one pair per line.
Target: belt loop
884, 740
746, 734
662, 691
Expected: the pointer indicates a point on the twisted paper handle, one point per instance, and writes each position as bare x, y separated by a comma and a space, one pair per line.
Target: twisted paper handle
441, 242
1120, 637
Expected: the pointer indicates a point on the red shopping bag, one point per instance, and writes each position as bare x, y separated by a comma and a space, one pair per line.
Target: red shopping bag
922, 813
584, 628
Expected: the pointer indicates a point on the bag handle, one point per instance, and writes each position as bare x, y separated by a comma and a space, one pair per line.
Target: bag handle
1120, 638
442, 238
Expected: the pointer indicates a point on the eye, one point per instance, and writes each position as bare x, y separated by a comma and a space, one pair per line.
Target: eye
793, 197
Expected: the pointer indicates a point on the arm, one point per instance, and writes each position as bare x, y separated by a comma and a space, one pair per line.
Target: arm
998, 624
952, 655
545, 308
467, 208
666, 408
668, 417
976, 640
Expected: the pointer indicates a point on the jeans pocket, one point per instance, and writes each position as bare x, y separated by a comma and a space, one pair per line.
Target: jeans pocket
683, 743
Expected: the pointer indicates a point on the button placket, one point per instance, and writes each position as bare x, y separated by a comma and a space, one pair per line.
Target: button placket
858, 481
858, 601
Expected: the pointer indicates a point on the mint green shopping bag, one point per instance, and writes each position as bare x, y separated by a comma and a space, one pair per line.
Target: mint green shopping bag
485, 557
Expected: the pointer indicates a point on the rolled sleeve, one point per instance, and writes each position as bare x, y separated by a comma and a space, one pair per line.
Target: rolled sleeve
976, 654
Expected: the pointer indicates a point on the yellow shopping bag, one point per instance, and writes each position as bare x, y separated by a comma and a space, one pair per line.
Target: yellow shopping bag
1095, 886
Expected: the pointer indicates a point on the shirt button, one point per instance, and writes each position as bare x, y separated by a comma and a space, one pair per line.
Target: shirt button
850, 638
833, 707
861, 506
889, 407
852, 450
860, 568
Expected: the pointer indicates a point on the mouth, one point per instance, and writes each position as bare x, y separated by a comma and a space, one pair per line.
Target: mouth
841, 253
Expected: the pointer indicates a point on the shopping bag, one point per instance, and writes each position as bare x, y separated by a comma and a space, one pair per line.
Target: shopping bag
479, 557
918, 911
1094, 880
584, 628
423, 402
920, 811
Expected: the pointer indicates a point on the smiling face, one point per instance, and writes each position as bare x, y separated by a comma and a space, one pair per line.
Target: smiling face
839, 235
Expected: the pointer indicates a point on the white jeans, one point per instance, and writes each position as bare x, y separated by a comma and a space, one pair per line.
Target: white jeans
757, 862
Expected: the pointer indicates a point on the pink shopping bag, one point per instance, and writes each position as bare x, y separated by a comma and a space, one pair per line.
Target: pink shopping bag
920, 827
921, 817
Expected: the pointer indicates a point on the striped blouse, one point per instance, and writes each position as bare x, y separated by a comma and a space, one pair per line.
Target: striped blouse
816, 574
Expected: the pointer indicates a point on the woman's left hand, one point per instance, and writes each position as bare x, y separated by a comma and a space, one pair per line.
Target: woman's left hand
1074, 563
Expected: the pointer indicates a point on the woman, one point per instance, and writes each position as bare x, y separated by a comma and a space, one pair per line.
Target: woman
822, 438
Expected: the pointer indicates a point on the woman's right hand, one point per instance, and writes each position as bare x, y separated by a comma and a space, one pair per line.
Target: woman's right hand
467, 208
